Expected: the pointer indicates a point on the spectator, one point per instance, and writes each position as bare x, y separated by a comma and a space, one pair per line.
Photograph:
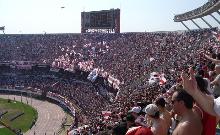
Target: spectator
208, 121
209, 105
164, 113
136, 112
216, 82
158, 126
119, 129
182, 106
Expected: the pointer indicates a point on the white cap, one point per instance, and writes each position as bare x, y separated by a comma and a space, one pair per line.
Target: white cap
136, 109
151, 109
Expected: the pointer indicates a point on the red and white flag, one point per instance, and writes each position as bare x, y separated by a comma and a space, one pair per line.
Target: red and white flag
163, 80
106, 114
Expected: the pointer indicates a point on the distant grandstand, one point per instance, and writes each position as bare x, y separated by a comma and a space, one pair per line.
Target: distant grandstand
207, 9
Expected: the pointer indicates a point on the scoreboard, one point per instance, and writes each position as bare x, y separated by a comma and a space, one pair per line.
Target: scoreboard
104, 19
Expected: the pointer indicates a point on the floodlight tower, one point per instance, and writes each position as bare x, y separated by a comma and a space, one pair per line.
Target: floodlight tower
2, 28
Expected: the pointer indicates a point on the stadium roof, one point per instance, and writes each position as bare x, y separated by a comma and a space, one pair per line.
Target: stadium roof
206, 9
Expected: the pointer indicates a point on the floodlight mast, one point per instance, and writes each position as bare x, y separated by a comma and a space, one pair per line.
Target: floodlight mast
2, 28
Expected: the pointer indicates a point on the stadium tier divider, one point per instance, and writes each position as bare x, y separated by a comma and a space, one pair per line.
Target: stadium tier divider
16, 116
3, 112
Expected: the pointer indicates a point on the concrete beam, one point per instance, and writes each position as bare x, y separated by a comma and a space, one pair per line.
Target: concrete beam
210, 26
215, 18
185, 25
196, 24
218, 12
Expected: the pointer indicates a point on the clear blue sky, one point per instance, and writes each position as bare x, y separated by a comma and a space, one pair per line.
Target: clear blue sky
39, 16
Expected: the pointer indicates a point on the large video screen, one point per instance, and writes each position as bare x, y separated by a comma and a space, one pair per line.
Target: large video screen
98, 19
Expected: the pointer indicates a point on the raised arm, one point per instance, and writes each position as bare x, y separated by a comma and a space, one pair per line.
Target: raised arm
211, 59
190, 85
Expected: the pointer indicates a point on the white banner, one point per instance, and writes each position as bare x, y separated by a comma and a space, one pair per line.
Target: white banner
93, 75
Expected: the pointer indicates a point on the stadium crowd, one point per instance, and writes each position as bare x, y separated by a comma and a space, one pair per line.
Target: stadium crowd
125, 61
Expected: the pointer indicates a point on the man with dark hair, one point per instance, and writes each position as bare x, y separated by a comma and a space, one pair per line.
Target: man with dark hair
164, 114
119, 129
130, 120
190, 123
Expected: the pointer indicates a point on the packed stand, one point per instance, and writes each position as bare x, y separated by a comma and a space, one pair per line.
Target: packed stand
129, 59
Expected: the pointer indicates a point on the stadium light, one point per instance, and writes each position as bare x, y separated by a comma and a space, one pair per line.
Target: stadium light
2, 28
